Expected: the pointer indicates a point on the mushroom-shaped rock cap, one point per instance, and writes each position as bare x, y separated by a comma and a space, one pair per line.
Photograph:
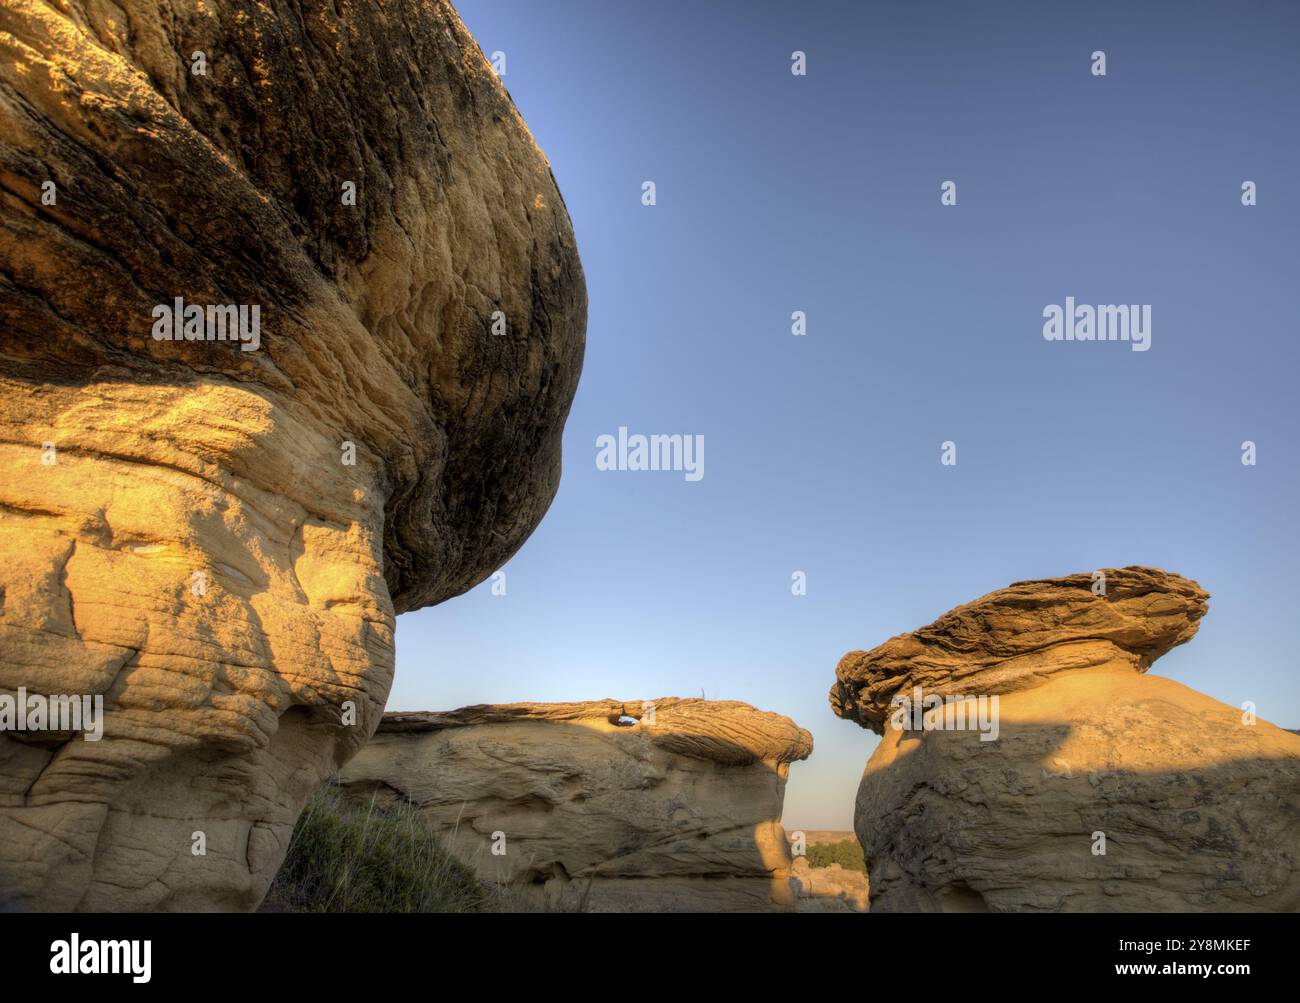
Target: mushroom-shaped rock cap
1013, 638
360, 175
721, 731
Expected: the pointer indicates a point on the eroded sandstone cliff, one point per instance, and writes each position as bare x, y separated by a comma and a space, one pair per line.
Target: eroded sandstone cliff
216, 540
1105, 789
673, 806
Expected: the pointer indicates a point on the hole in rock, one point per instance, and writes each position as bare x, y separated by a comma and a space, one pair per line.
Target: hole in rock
961, 898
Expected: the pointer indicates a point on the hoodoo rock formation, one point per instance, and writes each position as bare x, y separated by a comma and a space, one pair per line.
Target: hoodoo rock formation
213, 539
1105, 789
1020, 636
600, 807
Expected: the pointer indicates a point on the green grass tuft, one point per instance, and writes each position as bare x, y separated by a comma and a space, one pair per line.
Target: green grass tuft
347, 858
848, 854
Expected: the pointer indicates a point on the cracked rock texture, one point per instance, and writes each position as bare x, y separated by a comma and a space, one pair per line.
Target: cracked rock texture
1198, 806
182, 533
1019, 636
601, 806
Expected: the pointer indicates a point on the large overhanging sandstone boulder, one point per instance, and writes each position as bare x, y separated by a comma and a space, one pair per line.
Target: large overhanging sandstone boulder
1019, 636
215, 539
604, 806
1195, 804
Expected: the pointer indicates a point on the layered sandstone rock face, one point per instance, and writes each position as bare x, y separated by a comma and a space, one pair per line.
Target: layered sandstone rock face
1196, 804
1020, 636
673, 806
213, 539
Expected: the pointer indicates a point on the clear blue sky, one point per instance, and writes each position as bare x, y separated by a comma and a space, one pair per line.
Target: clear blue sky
821, 193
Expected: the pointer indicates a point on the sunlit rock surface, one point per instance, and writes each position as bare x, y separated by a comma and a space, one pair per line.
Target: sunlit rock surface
598, 807
1195, 804
217, 540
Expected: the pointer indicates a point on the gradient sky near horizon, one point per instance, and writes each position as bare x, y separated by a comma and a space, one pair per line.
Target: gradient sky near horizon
779, 193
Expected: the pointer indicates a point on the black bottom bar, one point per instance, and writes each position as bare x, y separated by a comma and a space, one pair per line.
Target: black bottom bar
854, 954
